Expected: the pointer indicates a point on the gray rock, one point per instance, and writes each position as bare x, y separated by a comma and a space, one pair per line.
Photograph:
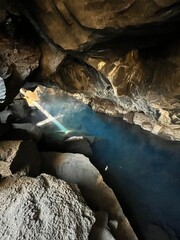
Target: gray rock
42, 208
78, 144
99, 230
19, 157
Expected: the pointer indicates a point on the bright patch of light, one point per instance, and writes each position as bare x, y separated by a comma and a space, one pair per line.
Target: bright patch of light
50, 118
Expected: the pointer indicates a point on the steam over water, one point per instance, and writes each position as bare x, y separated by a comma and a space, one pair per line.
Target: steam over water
142, 169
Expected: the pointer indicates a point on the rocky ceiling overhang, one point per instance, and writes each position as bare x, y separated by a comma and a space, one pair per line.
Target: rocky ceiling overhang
120, 57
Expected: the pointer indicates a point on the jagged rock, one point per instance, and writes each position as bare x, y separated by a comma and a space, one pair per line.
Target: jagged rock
4, 169
42, 208
18, 59
131, 81
50, 59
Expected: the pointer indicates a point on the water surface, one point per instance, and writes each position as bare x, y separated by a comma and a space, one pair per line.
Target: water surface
142, 169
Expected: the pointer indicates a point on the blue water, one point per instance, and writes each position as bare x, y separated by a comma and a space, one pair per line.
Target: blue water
143, 169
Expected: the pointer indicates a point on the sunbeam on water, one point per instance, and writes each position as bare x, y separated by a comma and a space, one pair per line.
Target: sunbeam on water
142, 169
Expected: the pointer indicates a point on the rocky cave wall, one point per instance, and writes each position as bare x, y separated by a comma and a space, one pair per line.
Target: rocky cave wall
122, 58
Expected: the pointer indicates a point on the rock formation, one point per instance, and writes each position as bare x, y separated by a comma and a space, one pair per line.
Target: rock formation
118, 57
42, 208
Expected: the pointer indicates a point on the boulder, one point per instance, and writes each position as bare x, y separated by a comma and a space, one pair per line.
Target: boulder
76, 168
78, 144
42, 208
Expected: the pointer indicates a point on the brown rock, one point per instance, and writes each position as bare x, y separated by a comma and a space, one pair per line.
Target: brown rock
17, 61
71, 24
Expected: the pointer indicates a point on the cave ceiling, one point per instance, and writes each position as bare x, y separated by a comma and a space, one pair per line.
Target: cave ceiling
120, 57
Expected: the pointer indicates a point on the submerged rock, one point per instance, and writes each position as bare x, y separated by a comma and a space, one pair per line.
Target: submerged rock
42, 208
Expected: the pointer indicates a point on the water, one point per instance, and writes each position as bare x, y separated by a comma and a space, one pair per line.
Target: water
142, 169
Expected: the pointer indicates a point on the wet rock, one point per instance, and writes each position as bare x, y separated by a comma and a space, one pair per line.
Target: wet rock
44, 208
128, 117
99, 229
78, 145
76, 168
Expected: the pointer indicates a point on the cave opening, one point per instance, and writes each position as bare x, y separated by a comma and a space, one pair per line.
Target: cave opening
105, 90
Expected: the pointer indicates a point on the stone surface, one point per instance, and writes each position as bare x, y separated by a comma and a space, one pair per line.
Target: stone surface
76, 168
78, 144
19, 56
20, 156
42, 208
20, 110
122, 81
116, 58
50, 59
26, 131
76, 25
99, 229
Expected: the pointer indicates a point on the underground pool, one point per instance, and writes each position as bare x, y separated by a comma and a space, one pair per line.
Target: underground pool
141, 168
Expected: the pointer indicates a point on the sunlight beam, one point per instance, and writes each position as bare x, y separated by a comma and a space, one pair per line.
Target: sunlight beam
50, 118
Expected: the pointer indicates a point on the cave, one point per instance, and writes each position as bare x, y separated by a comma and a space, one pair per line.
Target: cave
90, 119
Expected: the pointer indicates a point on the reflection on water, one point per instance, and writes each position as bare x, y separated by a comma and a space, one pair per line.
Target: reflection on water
143, 170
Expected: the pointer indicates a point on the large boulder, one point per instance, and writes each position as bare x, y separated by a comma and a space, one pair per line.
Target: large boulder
76, 168
42, 208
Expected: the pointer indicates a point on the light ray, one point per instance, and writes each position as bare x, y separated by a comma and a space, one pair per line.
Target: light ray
50, 118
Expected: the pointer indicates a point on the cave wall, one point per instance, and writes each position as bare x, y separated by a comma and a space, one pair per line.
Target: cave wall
122, 58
